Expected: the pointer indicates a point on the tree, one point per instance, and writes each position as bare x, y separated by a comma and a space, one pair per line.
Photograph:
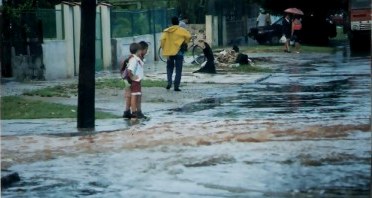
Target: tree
86, 86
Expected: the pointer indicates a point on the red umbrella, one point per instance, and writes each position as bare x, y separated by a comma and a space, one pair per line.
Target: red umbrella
294, 11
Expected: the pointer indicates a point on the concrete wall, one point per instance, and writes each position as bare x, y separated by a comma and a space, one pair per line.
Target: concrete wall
62, 57
54, 54
69, 39
233, 32
106, 35
122, 48
224, 31
211, 30
76, 34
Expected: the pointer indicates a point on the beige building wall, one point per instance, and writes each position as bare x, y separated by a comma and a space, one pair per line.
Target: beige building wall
106, 34
211, 30
77, 30
69, 38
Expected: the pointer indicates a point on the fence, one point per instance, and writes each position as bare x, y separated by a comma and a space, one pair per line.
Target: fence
40, 22
132, 23
49, 18
123, 23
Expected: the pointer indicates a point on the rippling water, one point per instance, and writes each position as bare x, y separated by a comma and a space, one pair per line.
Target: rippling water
274, 168
301, 132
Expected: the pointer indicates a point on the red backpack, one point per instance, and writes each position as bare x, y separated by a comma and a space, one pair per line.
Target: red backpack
124, 69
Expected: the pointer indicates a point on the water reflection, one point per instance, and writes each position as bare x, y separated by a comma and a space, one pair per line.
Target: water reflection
334, 90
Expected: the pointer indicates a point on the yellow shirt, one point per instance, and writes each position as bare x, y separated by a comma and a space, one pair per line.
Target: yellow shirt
172, 39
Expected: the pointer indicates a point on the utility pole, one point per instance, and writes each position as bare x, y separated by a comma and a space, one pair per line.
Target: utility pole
86, 86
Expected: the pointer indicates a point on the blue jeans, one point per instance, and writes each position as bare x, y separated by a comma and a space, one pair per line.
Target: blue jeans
174, 61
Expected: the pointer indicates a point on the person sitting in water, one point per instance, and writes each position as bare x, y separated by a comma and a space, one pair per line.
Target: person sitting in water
242, 59
209, 66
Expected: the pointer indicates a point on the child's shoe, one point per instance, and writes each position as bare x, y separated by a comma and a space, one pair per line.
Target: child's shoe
140, 115
127, 114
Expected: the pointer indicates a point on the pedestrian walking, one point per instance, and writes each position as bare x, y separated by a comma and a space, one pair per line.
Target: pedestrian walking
174, 44
287, 32
296, 32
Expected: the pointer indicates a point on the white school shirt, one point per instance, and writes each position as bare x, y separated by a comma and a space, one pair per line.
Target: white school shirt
135, 65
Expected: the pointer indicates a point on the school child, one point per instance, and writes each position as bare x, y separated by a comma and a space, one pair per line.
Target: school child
135, 72
144, 48
143, 51
127, 93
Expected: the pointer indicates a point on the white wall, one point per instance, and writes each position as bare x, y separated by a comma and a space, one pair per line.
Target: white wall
224, 31
149, 38
61, 57
122, 47
54, 57
77, 30
106, 35
211, 30
68, 28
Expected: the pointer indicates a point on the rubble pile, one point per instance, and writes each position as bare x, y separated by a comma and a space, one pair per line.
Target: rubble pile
225, 58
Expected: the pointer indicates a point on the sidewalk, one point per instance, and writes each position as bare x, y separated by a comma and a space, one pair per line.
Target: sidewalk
155, 100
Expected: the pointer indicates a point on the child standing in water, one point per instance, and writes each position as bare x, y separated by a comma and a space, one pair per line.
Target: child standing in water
140, 51
135, 72
143, 48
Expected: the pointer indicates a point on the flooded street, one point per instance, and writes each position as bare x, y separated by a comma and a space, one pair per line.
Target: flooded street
302, 132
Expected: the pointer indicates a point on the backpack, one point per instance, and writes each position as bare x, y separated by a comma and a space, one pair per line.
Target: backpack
124, 70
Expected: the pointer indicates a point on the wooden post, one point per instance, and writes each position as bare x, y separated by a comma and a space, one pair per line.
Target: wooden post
86, 86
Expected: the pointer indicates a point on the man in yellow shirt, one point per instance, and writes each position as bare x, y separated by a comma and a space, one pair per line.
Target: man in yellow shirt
173, 42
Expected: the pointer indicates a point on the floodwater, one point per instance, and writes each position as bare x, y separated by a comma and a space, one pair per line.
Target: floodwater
302, 132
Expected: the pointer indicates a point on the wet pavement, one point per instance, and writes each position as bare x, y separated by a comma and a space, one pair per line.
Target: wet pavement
303, 131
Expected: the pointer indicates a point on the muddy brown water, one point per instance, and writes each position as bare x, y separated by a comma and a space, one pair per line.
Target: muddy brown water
302, 132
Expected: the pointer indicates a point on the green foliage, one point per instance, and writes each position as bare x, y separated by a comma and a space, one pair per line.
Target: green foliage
141, 23
122, 27
14, 11
56, 91
119, 83
72, 90
15, 107
112, 83
153, 83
